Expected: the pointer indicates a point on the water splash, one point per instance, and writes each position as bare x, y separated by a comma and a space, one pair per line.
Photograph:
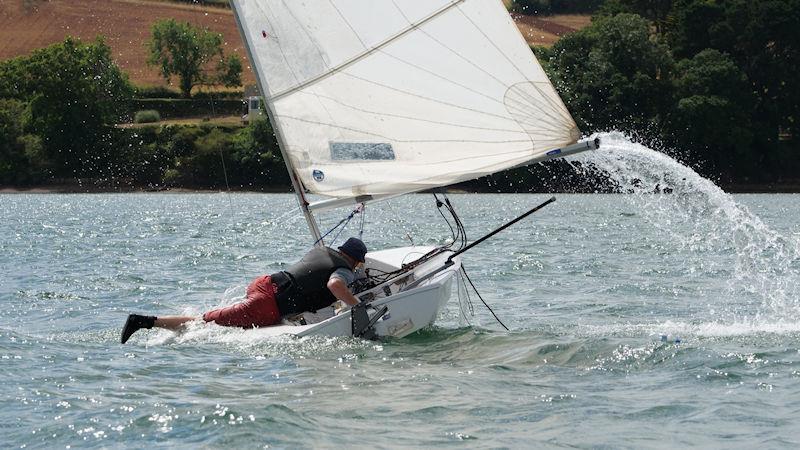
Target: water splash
259, 343
762, 265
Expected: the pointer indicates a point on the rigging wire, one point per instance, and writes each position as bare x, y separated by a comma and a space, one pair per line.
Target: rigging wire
463, 284
342, 223
439, 205
363, 218
458, 222
464, 271
288, 213
225, 174
460, 235
401, 218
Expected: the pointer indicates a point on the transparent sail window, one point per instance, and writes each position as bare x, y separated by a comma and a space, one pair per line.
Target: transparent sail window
360, 151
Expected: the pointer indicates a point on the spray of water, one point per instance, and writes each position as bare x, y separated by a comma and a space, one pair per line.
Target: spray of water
763, 265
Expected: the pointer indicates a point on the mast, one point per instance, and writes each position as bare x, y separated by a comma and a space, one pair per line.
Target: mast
276, 127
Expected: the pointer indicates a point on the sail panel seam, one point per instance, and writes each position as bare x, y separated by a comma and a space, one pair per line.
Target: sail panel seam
405, 141
412, 94
400, 116
489, 40
555, 107
523, 106
457, 54
366, 53
267, 15
447, 80
347, 22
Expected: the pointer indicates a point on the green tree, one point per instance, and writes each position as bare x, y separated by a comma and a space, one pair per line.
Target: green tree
21, 159
614, 75
712, 114
554, 6
193, 54
257, 157
656, 11
194, 155
697, 25
72, 93
763, 39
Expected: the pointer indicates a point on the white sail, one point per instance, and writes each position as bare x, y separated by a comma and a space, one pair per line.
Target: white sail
381, 97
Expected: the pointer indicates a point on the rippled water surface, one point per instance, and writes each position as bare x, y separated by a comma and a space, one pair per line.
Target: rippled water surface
588, 286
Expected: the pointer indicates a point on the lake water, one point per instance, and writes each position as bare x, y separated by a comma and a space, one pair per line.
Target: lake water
587, 286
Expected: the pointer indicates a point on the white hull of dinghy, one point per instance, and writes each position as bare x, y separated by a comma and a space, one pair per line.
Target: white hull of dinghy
409, 310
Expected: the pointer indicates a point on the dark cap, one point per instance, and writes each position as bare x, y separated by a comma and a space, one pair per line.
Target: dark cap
354, 248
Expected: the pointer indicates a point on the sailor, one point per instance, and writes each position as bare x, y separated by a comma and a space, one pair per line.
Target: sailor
320, 278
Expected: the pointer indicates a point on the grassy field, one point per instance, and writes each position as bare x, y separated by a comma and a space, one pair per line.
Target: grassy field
29, 24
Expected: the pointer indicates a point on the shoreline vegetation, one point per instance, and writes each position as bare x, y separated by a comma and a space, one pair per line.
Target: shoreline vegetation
89, 188
672, 78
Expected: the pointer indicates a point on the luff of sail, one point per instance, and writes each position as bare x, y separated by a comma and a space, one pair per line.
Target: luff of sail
383, 97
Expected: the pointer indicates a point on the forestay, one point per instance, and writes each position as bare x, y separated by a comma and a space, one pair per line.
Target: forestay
384, 97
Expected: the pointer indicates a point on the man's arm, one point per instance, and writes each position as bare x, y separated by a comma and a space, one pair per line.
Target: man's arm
339, 289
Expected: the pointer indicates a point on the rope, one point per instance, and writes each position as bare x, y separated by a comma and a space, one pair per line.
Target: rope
482, 300
462, 284
225, 173
344, 221
459, 235
363, 218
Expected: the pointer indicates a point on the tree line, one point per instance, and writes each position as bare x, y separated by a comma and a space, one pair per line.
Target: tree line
60, 106
555, 6
708, 81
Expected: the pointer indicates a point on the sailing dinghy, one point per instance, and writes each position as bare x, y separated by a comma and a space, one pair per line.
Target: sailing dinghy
375, 99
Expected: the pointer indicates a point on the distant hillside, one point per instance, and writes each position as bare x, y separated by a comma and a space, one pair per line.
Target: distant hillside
546, 30
26, 25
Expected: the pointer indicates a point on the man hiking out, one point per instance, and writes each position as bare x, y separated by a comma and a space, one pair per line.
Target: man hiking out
316, 281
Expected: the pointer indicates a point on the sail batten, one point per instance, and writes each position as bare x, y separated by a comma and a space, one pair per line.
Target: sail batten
392, 96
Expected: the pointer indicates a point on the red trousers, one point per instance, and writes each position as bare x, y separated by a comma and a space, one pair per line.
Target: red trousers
259, 309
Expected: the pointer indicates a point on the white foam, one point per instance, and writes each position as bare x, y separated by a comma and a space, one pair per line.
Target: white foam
688, 331
703, 219
255, 341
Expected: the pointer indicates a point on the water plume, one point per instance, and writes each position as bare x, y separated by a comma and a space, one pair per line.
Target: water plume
762, 265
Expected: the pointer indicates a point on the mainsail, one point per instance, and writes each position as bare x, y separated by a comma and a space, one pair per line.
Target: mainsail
384, 97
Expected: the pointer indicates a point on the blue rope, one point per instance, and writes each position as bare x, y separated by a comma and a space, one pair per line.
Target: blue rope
340, 231
344, 221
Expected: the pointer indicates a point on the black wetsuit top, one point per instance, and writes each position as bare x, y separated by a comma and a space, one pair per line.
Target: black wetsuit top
304, 285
